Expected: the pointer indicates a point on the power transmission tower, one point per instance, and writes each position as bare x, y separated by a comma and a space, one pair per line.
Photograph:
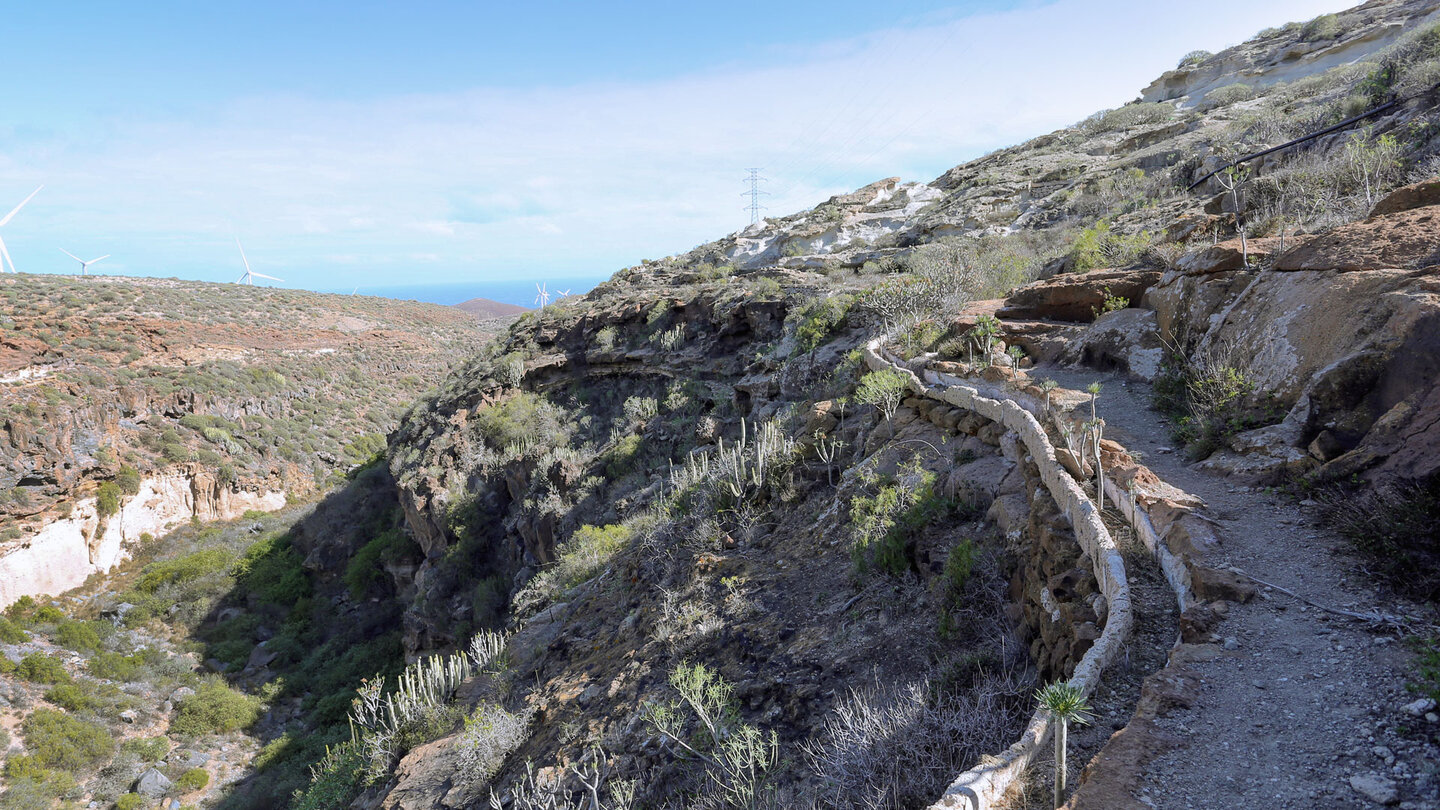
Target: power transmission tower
754, 193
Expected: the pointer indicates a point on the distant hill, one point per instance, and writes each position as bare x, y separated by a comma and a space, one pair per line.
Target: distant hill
253, 384
485, 308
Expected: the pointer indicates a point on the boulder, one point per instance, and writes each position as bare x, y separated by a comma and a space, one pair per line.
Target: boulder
1077, 296
1128, 339
1407, 240
1378, 789
1226, 256
1406, 198
152, 784
1213, 584
1187, 302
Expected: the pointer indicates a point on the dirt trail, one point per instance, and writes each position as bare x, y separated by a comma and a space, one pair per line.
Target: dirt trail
1297, 704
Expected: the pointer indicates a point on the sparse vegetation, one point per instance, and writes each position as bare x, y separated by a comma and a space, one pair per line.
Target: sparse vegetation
1101, 246
1396, 528
1209, 396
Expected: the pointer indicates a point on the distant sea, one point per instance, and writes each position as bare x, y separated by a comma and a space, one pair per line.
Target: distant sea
521, 293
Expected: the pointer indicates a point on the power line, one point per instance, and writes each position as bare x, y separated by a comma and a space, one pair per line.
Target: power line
755, 207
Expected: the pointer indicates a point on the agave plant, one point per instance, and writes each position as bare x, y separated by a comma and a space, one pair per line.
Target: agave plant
1066, 704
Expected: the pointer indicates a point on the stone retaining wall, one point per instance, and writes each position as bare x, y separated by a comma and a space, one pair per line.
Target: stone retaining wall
1162, 517
982, 786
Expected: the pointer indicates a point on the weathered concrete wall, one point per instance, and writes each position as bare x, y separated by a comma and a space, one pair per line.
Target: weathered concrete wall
1163, 519
982, 786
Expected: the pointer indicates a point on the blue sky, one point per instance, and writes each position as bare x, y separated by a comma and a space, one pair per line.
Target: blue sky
384, 143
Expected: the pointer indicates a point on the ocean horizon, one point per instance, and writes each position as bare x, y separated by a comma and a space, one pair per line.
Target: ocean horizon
519, 293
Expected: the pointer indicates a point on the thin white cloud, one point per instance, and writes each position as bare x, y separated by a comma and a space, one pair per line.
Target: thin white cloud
585, 179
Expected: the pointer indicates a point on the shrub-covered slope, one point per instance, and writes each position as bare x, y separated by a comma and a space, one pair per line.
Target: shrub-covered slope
107, 377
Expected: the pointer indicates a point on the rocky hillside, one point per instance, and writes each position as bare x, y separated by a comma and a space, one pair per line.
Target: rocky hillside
796, 520
573, 485
157, 400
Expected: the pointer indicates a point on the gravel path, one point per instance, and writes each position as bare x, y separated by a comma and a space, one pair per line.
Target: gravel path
1299, 708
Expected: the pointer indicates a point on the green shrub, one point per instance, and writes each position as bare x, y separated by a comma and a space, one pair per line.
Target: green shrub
183, 569
107, 499
273, 571
41, 668
338, 779
21, 609
130, 801
620, 459
886, 524
1208, 397
119, 667
215, 708
524, 420
958, 566
1193, 59
1326, 26
38, 789
366, 567
78, 636
1141, 113
1229, 94
193, 779
47, 614
128, 479
816, 320
1396, 527
1099, 246
60, 741
146, 749
70, 697
10, 633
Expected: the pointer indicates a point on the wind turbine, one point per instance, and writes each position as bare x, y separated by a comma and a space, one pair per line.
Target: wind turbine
544, 296
251, 275
562, 294
5, 254
84, 265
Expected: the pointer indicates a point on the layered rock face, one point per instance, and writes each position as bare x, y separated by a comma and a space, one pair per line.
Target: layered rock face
67, 551
1340, 332
1292, 52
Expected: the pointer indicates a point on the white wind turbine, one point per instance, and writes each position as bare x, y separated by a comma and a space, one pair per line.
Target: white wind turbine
5, 254
251, 275
561, 294
543, 297
84, 265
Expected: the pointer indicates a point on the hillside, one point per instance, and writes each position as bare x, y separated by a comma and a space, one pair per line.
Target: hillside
806, 516
175, 399
485, 309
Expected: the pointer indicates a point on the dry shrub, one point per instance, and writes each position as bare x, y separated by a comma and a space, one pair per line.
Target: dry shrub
1396, 526
899, 747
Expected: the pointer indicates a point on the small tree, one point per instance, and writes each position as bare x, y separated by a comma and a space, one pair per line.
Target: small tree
1232, 180
985, 333
1096, 426
1372, 163
884, 389
107, 499
737, 756
1066, 704
1047, 386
